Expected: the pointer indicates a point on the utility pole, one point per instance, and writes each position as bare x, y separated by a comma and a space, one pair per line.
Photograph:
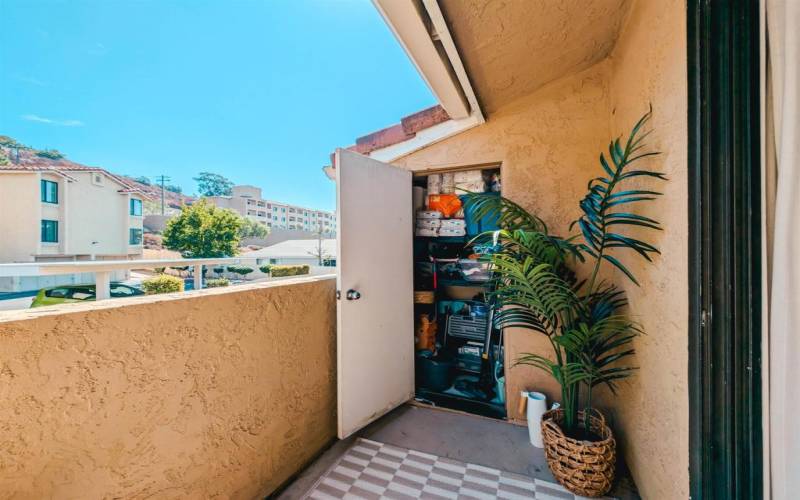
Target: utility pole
161, 179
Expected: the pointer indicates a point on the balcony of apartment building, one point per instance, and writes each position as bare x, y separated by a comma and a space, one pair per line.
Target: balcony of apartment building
307, 386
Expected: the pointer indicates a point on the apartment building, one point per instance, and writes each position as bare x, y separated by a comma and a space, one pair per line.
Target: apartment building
247, 201
55, 210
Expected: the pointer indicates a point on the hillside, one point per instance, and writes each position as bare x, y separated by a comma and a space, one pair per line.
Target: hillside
173, 201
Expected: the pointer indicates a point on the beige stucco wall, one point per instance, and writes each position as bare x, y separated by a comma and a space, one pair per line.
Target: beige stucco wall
20, 226
212, 394
652, 410
85, 213
97, 213
548, 143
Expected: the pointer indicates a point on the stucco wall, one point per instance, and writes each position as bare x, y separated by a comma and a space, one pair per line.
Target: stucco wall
211, 394
20, 221
649, 65
548, 143
96, 213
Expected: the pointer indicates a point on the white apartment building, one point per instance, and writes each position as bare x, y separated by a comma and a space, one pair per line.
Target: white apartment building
247, 201
60, 210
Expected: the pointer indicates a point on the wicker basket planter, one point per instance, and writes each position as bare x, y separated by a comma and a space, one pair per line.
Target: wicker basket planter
583, 467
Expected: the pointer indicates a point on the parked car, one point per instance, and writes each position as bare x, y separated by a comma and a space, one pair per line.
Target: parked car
79, 293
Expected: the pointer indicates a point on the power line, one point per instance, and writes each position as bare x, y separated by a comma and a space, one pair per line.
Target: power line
161, 179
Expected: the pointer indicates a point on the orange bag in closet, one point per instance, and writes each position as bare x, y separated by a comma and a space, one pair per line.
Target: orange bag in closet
448, 204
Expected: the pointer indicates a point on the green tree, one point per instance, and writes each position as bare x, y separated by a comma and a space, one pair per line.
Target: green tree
142, 180
252, 229
211, 184
173, 188
203, 230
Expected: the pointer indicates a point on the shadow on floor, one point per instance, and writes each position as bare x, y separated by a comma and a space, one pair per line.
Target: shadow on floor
466, 438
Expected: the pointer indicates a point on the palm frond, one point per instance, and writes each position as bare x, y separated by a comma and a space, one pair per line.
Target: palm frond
505, 213
602, 218
532, 286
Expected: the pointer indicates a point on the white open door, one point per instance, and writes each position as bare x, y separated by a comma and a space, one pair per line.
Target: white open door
375, 344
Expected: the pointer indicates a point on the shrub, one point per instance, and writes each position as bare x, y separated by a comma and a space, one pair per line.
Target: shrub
265, 268
287, 270
163, 283
240, 270
219, 270
160, 270
217, 282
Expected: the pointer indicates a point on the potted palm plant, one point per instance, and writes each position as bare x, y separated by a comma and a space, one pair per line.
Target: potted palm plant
583, 319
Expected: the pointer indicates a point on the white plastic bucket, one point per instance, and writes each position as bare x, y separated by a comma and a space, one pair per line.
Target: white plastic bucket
537, 405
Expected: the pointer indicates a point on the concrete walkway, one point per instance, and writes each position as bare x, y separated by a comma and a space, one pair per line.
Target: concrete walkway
462, 437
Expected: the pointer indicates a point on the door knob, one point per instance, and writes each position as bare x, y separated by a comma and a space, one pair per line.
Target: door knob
353, 295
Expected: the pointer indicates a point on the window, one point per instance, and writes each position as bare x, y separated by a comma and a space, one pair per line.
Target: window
49, 231
283, 210
136, 207
49, 191
134, 236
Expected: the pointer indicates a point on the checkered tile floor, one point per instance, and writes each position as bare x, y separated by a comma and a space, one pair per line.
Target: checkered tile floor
371, 470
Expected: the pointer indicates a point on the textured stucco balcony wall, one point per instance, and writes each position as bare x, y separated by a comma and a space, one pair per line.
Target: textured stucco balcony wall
547, 144
222, 393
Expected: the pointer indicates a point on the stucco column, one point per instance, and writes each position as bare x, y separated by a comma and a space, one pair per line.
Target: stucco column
102, 280
198, 277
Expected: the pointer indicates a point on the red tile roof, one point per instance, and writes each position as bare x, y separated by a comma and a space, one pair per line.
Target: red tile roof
389, 136
28, 161
403, 131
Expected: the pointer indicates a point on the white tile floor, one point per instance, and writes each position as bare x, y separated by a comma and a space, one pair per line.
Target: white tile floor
465, 439
371, 470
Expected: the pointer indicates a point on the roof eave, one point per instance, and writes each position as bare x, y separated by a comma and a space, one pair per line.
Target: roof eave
423, 34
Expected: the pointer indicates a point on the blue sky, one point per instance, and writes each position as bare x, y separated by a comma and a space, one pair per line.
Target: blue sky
260, 91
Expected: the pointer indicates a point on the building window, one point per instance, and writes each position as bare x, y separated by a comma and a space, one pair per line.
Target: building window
283, 210
49, 231
49, 191
134, 236
136, 207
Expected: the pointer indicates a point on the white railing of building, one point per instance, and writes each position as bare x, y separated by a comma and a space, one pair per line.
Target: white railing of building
102, 269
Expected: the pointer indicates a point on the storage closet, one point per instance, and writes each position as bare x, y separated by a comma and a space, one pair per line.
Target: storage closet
413, 315
458, 354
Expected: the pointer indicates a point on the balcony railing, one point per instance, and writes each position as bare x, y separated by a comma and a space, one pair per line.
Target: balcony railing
102, 269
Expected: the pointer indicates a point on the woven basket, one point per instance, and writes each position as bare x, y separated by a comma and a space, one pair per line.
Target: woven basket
583, 467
